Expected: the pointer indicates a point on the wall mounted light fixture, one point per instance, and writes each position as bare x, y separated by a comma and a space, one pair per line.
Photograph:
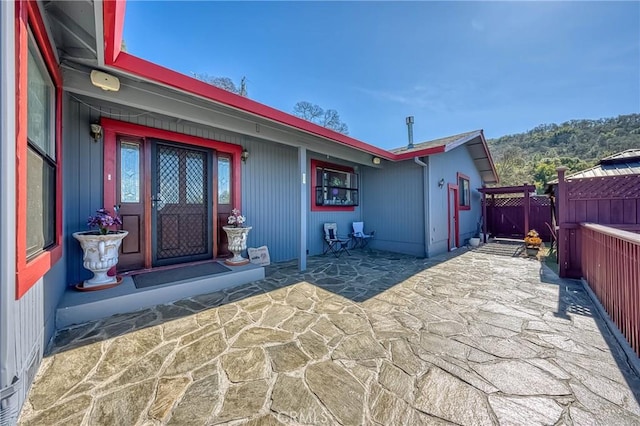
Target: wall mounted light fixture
105, 81
441, 183
376, 160
96, 132
244, 155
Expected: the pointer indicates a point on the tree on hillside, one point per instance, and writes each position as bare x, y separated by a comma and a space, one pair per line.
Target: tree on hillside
224, 83
533, 156
316, 114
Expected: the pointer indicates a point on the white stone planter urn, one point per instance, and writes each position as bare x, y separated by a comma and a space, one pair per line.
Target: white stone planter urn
100, 255
237, 244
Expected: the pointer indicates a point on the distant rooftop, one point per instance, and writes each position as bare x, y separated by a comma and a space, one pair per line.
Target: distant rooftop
442, 142
622, 163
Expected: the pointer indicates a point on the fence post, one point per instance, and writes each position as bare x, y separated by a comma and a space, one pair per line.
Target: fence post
484, 215
562, 202
527, 208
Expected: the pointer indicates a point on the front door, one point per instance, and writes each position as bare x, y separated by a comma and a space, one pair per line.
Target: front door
181, 204
131, 201
453, 209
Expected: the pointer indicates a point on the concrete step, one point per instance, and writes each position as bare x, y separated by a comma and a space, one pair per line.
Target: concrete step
77, 307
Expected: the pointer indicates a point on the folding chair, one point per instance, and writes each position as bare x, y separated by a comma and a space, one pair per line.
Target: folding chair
360, 239
335, 244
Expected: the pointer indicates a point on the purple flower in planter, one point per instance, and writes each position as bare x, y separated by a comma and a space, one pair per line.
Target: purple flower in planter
103, 220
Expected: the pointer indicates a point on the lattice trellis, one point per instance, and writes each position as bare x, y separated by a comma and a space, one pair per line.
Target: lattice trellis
518, 201
604, 188
182, 211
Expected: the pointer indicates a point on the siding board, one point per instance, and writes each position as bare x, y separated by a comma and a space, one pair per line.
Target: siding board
393, 206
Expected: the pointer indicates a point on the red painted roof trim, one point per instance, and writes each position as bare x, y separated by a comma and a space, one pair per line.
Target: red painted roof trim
421, 153
113, 21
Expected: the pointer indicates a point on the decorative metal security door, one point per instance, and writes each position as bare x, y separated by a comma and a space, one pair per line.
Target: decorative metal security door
181, 204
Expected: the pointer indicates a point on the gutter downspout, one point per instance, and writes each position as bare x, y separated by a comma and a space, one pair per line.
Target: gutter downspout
426, 203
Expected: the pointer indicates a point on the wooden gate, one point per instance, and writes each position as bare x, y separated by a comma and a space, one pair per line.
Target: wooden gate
505, 216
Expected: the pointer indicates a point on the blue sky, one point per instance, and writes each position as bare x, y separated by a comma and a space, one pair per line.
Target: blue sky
504, 67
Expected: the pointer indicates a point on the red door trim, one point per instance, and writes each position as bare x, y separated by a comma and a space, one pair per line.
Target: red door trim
453, 188
113, 128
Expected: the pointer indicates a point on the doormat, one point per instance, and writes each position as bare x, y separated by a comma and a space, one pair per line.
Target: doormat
150, 279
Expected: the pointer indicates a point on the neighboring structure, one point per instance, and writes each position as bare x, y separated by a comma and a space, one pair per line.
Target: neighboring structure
620, 164
170, 150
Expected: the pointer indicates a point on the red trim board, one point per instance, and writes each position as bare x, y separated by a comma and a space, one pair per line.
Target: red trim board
314, 207
453, 188
463, 176
29, 272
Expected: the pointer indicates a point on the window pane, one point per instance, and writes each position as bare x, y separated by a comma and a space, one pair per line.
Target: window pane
39, 105
195, 178
463, 185
129, 172
41, 196
224, 181
336, 188
169, 176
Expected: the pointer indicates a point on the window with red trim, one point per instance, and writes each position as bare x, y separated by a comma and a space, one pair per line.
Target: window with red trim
41, 156
334, 187
464, 193
38, 157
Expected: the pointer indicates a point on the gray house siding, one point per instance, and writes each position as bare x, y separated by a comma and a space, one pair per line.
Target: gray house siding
270, 198
393, 206
268, 179
27, 324
446, 166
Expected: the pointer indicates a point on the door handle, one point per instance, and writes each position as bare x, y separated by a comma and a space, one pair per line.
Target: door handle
158, 200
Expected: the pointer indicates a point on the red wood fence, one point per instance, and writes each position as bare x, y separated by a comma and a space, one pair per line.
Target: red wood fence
606, 254
612, 200
505, 216
611, 265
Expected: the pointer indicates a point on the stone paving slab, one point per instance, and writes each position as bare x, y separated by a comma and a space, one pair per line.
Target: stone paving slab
470, 338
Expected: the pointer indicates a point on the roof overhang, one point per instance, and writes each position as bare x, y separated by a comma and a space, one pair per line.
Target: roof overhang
109, 26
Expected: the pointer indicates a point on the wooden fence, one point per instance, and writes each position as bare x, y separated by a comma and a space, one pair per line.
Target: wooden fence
505, 216
606, 251
611, 267
612, 200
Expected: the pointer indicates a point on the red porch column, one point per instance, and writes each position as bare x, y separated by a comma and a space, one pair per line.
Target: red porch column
561, 202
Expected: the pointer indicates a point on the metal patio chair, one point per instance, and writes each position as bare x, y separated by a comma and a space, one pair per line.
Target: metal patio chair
360, 239
334, 243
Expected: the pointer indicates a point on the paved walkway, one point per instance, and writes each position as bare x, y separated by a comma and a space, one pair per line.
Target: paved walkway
367, 339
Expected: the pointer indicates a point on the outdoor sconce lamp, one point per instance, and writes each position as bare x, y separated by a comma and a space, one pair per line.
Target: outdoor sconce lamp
441, 183
96, 132
244, 155
376, 160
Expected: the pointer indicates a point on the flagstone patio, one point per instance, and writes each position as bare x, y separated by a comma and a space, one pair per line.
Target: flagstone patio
373, 338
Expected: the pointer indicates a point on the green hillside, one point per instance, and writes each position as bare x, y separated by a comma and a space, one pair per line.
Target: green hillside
533, 156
